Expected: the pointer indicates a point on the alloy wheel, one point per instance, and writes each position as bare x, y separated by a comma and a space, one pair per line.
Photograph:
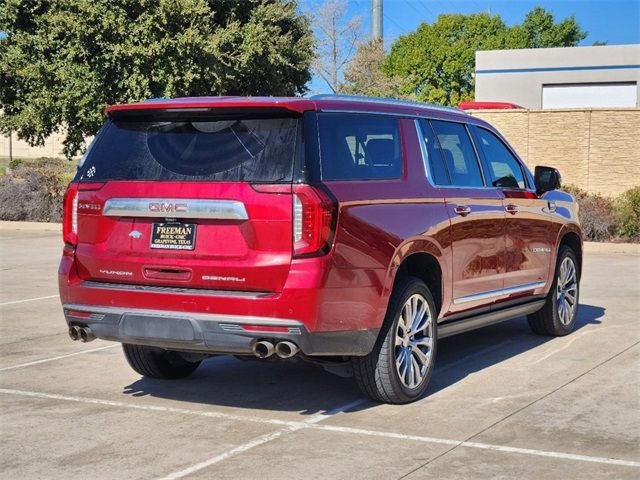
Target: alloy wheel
567, 291
414, 341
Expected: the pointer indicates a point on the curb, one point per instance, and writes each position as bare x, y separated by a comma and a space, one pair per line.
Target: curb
597, 248
31, 226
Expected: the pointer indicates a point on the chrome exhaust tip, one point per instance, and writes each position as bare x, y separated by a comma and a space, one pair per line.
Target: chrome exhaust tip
286, 349
263, 349
74, 333
86, 335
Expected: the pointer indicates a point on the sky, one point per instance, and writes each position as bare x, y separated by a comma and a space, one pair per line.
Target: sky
615, 21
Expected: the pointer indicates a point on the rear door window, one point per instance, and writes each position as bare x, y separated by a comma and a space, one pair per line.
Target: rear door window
359, 147
458, 154
192, 149
504, 168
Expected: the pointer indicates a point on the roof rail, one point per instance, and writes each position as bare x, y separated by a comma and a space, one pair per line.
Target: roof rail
390, 101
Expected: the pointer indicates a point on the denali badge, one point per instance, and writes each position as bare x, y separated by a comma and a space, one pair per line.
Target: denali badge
541, 250
216, 278
167, 207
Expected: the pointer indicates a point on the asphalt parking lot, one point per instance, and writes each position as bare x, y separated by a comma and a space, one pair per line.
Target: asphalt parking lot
503, 403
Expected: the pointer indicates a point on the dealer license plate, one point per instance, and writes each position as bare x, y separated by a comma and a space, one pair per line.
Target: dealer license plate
174, 236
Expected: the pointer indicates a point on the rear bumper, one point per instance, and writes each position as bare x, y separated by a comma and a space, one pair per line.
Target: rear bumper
212, 333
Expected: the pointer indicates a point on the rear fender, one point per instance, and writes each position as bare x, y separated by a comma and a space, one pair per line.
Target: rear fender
404, 251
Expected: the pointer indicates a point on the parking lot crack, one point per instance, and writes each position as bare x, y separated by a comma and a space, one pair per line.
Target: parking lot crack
515, 412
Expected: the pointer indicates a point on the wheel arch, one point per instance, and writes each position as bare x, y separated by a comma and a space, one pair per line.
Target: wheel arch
423, 259
427, 268
573, 240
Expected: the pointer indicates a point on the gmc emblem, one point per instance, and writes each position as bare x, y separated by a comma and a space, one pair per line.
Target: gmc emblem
167, 207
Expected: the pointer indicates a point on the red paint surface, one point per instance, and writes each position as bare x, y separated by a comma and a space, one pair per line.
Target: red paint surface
380, 223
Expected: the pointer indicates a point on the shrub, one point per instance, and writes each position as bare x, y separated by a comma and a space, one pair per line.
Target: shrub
33, 191
597, 215
628, 214
15, 163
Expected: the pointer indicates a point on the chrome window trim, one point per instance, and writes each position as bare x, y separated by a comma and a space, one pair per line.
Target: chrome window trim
498, 293
209, 209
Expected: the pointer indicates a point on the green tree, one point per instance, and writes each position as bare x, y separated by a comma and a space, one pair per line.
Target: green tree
539, 30
436, 62
62, 61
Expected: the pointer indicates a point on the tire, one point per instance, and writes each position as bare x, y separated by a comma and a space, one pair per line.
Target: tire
376, 373
558, 315
158, 363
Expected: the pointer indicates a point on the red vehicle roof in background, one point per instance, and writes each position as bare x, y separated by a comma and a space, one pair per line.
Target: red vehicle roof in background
296, 104
487, 106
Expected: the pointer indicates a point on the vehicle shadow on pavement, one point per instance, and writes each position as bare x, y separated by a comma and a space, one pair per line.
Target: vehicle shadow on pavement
463, 355
297, 386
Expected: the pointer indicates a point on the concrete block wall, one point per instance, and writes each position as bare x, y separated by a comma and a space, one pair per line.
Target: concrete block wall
597, 150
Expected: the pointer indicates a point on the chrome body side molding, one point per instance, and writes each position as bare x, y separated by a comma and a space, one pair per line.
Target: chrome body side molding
498, 293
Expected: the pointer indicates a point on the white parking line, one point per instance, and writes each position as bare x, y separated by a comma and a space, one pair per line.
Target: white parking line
51, 359
256, 442
28, 300
312, 423
261, 440
149, 408
482, 446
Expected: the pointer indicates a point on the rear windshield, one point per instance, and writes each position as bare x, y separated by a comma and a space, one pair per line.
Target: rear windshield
206, 149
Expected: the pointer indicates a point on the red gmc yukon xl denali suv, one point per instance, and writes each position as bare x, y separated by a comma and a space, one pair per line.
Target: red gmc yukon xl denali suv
351, 232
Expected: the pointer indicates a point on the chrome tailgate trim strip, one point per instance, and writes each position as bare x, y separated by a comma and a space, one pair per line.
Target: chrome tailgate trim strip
175, 208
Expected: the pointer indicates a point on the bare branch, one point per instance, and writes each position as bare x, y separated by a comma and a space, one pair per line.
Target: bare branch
337, 37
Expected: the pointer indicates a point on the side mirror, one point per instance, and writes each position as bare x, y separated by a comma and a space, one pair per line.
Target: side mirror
546, 179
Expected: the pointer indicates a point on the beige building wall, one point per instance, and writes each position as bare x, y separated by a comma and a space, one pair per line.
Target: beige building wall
52, 147
597, 150
519, 76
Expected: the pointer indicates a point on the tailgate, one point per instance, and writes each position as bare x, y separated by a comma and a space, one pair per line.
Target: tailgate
207, 235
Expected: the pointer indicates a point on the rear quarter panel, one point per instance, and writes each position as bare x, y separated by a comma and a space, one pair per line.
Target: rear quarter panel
380, 223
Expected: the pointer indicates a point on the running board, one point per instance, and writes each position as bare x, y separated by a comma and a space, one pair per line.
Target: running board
477, 321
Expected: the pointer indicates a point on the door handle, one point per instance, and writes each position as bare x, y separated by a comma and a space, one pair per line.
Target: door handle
512, 209
462, 210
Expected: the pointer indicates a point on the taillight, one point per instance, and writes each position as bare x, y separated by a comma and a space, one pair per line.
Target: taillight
70, 215
313, 217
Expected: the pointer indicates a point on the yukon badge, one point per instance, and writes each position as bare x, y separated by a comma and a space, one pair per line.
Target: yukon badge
135, 234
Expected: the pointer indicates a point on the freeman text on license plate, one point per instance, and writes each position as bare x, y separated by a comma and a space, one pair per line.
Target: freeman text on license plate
174, 236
